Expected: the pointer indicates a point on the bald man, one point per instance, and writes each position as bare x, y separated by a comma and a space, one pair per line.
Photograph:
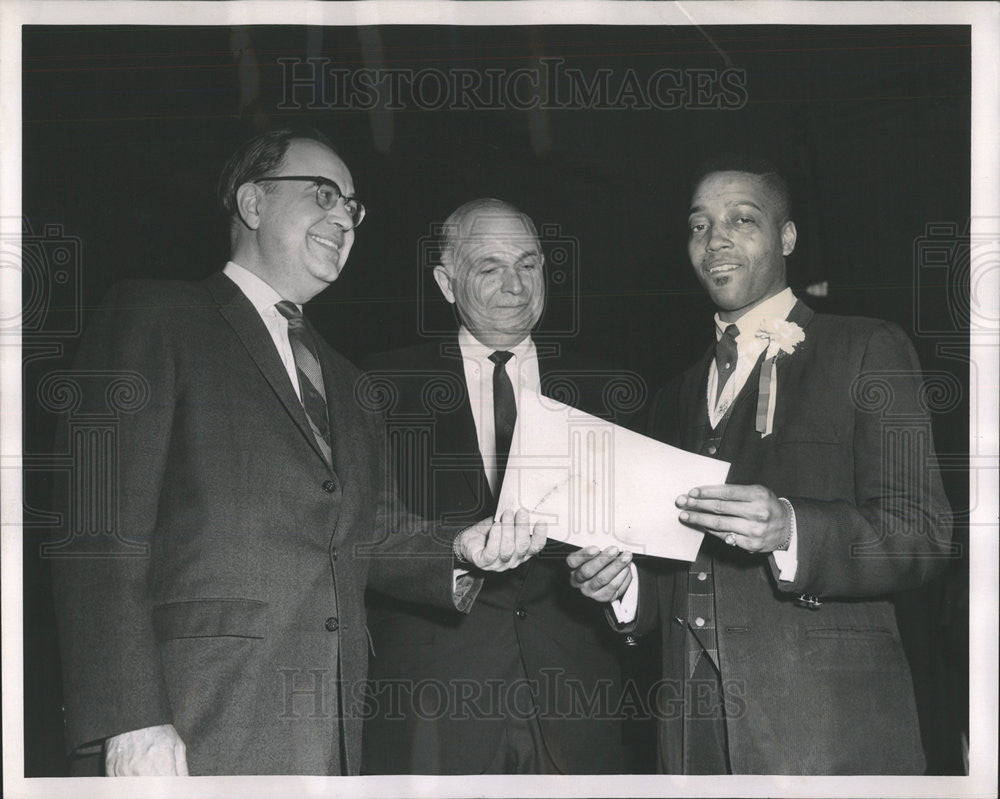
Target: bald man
530, 680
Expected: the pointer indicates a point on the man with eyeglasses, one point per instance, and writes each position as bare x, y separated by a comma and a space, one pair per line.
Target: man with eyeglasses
254, 483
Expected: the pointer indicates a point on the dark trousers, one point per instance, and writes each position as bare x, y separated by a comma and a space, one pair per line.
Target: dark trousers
706, 750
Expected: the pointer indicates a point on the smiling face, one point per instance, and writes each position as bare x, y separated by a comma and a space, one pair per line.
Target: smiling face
494, 274
737, 241
288, 240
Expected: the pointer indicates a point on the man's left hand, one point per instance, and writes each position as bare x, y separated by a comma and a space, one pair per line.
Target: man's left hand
501, 545
748, 517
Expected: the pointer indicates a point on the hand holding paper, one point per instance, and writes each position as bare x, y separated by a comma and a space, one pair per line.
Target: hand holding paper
504, 544
599, 484
602, 576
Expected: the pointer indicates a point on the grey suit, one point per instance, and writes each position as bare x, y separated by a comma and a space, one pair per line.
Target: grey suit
245, 626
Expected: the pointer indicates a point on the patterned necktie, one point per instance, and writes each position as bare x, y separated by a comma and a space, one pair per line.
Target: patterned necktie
504, 413
310, 375
725, 358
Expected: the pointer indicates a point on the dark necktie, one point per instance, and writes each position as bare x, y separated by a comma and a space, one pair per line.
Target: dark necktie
310, 375
504, 413
725, 358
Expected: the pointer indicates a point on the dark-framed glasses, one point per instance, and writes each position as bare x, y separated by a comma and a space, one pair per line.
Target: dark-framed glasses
327, 195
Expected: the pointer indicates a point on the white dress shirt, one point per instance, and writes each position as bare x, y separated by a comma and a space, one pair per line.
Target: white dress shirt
264, 299
522, 369
749, 348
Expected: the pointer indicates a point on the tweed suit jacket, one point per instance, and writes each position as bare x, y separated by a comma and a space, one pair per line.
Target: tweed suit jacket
824, 690
243, 622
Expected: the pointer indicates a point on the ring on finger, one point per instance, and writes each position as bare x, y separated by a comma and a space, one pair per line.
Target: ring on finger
731, 540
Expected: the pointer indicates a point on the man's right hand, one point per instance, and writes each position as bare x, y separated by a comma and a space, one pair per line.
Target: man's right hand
149, 752
602, 576
501, 545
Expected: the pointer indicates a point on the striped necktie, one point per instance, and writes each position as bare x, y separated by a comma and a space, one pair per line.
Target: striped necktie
310, 375
725, 357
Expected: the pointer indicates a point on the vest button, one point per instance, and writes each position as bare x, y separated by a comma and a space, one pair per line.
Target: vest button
712, 449
332, 624
333, 553
699, 622
702, 576
630, 640
329, 486
521, 613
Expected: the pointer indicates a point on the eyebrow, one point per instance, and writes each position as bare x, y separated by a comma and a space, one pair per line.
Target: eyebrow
695, 209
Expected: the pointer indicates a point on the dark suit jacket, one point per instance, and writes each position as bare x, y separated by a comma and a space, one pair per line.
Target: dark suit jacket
825, 691
244, 623
528, 621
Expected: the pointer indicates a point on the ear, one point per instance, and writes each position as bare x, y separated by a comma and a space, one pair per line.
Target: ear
444, 283
788, 236
248, 204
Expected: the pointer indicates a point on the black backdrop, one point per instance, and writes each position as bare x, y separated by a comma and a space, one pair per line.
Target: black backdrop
125, 129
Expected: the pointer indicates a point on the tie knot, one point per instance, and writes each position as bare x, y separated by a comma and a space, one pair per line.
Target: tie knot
732, 331
289, 310
500, 357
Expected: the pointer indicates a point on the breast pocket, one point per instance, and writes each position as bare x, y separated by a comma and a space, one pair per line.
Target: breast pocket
817, 432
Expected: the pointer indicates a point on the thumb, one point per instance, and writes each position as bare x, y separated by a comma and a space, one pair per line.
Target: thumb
539, 535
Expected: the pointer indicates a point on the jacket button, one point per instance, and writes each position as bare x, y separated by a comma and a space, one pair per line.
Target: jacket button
630, 640
329, 486
332, 624
712, 449
333, 553
521, 613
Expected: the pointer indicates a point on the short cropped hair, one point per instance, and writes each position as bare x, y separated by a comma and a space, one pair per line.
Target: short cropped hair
450, 238
773, 179
259, 157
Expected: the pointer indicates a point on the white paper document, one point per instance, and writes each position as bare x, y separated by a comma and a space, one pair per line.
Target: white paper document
596, 483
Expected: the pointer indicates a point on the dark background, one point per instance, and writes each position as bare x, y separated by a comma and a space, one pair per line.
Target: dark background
126, 128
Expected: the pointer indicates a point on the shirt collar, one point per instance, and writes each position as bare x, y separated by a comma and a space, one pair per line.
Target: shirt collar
473, 348
261, 294
778, 307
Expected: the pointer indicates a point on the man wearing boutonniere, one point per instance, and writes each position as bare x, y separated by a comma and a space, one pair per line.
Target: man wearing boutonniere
781, 653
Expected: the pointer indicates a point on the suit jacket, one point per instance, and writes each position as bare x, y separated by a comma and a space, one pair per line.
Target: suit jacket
826, 690
243, 623
526, 623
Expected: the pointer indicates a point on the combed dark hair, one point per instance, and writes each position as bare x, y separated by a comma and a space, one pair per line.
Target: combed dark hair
259, 157
754, 165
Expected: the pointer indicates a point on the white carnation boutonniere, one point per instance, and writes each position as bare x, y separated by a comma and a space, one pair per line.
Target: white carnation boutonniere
782, 338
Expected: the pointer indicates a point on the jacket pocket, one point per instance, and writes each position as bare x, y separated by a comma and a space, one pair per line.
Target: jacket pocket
210, 618
819, 433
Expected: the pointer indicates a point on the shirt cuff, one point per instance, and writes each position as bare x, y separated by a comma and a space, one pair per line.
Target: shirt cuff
787, 560
626, 605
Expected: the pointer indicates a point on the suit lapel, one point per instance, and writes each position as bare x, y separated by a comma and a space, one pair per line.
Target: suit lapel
455, 430
693, 401
239, 312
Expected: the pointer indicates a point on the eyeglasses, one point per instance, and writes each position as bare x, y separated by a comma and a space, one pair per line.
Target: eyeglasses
327, 195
